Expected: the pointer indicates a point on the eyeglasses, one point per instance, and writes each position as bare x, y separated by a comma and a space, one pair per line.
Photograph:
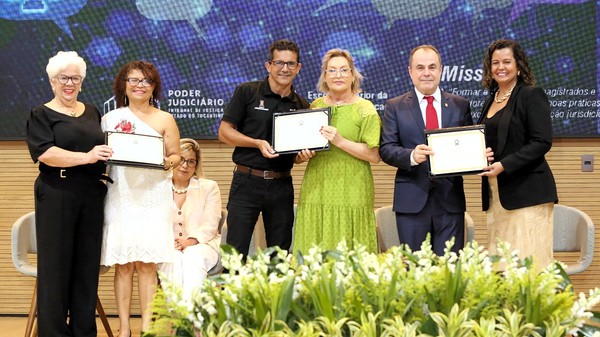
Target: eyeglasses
64, 79
344, 72
279, 64
146, 82
189, 162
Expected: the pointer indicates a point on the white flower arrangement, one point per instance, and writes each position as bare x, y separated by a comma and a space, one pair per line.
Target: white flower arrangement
346, 292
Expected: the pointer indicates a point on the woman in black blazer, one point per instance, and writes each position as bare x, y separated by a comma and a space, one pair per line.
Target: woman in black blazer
518, 189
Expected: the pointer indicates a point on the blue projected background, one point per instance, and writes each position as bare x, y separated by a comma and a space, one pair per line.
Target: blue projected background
204, 48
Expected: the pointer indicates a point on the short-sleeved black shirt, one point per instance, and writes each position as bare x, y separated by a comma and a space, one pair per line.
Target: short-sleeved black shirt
47, 128
251, 110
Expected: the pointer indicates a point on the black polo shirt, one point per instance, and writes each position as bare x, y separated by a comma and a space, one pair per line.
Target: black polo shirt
251, 110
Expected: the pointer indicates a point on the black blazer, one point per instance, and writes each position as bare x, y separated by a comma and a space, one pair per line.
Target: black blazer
524, 137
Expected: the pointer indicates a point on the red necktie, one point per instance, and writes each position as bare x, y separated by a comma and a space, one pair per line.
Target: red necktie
431, 119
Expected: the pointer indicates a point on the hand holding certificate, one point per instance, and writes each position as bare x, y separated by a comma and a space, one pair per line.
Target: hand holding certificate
136, 150
457, 151
298, 130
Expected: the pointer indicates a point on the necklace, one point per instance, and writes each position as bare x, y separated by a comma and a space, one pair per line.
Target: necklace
179, 191
503, 98
71, 110
340, 102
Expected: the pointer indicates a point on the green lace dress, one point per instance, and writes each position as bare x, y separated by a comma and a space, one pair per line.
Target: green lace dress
336, 198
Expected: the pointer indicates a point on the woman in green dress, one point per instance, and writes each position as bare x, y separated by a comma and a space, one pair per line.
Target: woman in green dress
336, 198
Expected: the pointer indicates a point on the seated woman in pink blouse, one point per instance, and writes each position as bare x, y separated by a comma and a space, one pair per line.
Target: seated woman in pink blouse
196, 216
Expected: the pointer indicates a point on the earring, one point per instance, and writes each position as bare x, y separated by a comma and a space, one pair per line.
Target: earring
125, 101
519, 73
151, 100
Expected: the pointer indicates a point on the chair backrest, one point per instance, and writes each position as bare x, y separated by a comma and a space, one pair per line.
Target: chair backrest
469, 228
574, 232
218, 268
223, 220
259, 237
23, 242
387, 232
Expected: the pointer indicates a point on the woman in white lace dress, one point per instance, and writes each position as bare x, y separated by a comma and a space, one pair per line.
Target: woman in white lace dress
137, 232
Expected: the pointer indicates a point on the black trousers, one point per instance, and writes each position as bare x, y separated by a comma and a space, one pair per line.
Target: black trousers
69, 216
248, 197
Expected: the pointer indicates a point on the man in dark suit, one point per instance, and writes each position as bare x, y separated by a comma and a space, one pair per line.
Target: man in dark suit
423, 205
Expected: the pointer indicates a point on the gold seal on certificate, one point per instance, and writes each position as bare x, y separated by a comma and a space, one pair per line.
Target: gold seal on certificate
457, 151
135, 150
298, 130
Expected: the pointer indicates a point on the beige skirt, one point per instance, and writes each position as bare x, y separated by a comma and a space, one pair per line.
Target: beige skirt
528, 230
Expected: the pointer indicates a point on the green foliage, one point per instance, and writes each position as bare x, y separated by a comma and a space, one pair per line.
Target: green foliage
456, 324
401, 293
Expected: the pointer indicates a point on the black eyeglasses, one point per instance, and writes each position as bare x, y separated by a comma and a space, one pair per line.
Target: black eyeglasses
146, 82
64, 79
280, 64
190, 162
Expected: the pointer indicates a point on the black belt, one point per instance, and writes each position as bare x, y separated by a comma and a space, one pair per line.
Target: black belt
75, 176
262, 174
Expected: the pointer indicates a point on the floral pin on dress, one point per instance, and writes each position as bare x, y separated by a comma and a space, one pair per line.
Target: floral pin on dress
125, 126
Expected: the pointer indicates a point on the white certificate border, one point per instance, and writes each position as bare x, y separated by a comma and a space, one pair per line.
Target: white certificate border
138, 161
455, 166
314, 141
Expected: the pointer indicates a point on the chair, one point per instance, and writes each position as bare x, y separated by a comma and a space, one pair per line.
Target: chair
23, 243
574, 232
218, 268
223, 220
259, 237
387, 232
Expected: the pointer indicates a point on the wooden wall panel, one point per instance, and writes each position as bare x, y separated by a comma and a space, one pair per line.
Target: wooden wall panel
17, 174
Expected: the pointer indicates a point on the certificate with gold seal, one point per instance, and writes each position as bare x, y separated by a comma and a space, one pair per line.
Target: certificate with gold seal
457, 150
298, 130
132, 149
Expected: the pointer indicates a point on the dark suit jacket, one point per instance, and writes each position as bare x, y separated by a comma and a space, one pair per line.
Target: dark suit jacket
524, 137
403, 130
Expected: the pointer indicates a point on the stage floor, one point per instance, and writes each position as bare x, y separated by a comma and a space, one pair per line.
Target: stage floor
15, 326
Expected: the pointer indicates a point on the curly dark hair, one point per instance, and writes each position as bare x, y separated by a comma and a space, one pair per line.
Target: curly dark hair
525, 75
284, 44
150, 72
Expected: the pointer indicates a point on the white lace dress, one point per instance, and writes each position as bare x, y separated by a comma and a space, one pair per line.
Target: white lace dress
138, 214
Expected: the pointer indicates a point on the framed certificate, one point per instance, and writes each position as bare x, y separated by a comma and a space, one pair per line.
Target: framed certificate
457, 151
298, 130
136, 150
